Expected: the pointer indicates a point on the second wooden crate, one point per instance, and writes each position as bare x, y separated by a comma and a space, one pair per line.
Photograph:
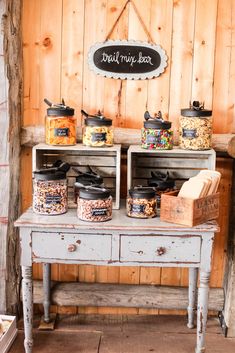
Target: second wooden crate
105, 161
181, 164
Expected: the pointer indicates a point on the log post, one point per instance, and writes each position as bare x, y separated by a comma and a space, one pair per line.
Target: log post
11, 81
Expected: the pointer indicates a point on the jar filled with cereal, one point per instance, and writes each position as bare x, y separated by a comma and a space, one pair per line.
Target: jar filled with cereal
50, 192
97, 131
142, 202
60, 124
156, 133
94, 204
195, 127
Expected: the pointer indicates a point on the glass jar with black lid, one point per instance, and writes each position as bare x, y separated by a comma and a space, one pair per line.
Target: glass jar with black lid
195, 127
156, 133
86, 180
50, 192
141, 202
60, 124
97, 130
94, 204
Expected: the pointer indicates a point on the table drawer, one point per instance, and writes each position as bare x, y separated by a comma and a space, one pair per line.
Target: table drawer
94, 247
160, 248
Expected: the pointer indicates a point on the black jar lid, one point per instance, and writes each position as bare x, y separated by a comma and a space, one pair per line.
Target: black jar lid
142, 193
156, 122
196, 110
49, 175
98, 121
94, 193
161, 184
60, 111
89, 180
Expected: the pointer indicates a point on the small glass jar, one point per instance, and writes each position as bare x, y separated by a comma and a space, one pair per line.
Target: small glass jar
60, 126
50, 193
94, 205
97, 131
156, 134
161, 184
195, 128
82, 181
142, 203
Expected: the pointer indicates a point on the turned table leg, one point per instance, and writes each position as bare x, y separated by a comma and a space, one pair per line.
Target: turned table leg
192, 293
46, 291
202, 309
27, 289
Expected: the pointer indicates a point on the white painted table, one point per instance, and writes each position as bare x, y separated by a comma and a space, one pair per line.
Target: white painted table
123, 241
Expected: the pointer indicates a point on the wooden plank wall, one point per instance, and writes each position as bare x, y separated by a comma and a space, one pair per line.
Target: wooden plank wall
198, 36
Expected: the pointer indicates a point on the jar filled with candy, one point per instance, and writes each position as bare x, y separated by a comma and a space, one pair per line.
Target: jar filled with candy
156, 133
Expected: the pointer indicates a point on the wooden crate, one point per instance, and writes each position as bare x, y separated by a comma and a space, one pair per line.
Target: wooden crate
186, 211
8, 338
181, 164
106, 161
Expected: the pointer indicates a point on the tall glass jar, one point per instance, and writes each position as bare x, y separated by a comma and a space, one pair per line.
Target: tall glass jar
195, 127
141, 203
60, 125
97, 131
94, 204
50, 193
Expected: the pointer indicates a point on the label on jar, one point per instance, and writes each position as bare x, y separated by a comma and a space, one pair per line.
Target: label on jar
189, 133
137, 208
99, 211
151, 139
61, 131
98, 136
53, 199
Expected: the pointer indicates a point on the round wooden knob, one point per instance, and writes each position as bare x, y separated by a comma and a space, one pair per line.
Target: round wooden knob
161, 251
72, 247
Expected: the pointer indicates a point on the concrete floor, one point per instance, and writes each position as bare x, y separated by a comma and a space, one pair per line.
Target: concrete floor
123, 334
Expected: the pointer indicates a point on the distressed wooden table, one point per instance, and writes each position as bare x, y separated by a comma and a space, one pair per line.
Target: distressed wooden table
123, 241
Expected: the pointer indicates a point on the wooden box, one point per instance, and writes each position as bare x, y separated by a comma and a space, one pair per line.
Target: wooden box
186, 211
181, 164
7, 339
106, 161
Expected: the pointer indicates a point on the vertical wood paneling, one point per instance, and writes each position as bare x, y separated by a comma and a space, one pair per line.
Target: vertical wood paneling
57, 36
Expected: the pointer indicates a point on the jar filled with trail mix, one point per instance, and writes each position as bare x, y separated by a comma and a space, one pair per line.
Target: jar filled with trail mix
156, 133
60, 125
94, 204
50, 192
142, 202
195, 127
97, 131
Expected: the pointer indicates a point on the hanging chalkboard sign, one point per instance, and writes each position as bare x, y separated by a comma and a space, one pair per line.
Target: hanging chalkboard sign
133, 60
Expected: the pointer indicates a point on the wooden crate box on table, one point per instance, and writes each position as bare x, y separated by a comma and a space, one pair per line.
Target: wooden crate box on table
105, 161
181, 164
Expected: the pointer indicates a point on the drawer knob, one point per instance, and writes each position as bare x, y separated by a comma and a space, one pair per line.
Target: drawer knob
72, 247
161, 251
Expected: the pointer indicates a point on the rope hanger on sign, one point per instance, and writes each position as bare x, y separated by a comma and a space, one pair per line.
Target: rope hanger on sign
131, 2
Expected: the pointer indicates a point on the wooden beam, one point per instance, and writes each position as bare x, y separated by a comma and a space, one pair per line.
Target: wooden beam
123, 295
32, 135
10, 112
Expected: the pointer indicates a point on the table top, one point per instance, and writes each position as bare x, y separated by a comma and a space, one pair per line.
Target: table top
120, 221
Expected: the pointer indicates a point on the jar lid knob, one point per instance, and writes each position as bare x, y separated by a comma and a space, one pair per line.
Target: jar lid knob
196, 105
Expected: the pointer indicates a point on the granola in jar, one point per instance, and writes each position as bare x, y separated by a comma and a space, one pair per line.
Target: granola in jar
94, 204
195, 127
141, 203
50, 193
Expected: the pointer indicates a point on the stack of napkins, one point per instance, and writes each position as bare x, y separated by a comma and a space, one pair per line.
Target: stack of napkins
205, 183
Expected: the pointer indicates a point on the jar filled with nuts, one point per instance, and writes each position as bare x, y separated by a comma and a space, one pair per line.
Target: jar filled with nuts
195, 127
50, 192
60, 124
156, 133
94, 204
97, 131
142, 202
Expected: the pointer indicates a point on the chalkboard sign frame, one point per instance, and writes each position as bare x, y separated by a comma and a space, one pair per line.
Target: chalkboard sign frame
133, 47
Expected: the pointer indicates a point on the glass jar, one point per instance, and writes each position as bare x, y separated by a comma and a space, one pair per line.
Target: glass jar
94, 205
50, 193
142, 203
60, 125
97, 131
156, 133
195, 127
161, 184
